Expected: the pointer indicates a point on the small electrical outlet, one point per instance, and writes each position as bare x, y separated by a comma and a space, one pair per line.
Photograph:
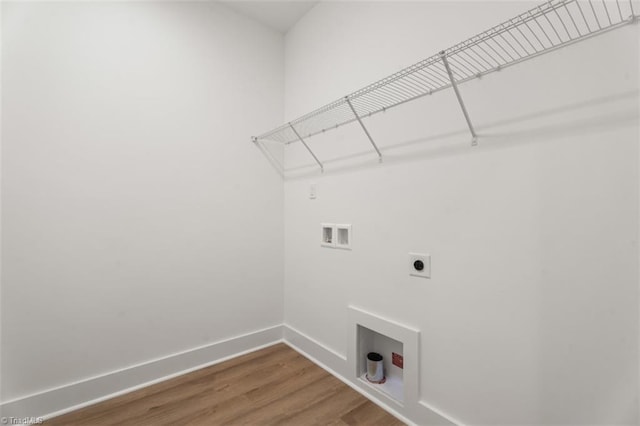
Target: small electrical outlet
420, 265
313, 191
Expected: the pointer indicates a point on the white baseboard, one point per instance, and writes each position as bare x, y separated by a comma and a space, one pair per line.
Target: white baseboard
72, 396
419, 413
320, 354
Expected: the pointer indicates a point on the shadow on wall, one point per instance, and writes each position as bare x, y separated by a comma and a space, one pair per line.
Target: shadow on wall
493, 135
269, 154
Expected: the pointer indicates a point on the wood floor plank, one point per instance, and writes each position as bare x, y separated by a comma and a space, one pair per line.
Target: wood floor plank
215, 380
272, 386
221, 396
198, 394
335, 405
144, 396
278, 411
364, 414
259, 397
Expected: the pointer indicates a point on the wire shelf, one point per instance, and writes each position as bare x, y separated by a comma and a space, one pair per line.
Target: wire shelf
545, 28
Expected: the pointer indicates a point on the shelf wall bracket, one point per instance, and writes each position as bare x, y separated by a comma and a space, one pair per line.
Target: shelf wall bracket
364, 128
307, 146
474, 140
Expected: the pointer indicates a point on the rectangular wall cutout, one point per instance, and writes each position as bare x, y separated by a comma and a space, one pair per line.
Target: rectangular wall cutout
328, 235
371, 341
343, 236
369, 332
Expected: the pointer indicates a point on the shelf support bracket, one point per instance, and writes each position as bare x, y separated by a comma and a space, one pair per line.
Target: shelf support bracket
307, 146
474, 140
364, 128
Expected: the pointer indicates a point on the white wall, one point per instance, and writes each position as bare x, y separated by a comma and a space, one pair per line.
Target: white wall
531, 316
139, 219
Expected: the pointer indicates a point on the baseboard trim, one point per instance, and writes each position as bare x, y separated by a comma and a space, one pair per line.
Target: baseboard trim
427, 406
63, 399
321, 354
419, 413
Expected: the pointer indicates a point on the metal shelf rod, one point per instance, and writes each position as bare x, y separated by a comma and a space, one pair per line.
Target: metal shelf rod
474, 140
364, 128
307, 146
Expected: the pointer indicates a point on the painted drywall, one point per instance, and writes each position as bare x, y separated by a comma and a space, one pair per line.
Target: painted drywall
531, 314
140, 220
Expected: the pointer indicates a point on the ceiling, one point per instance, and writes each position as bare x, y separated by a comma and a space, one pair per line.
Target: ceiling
279, 15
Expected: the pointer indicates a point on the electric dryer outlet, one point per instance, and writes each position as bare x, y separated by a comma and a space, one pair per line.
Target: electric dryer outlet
420, 265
